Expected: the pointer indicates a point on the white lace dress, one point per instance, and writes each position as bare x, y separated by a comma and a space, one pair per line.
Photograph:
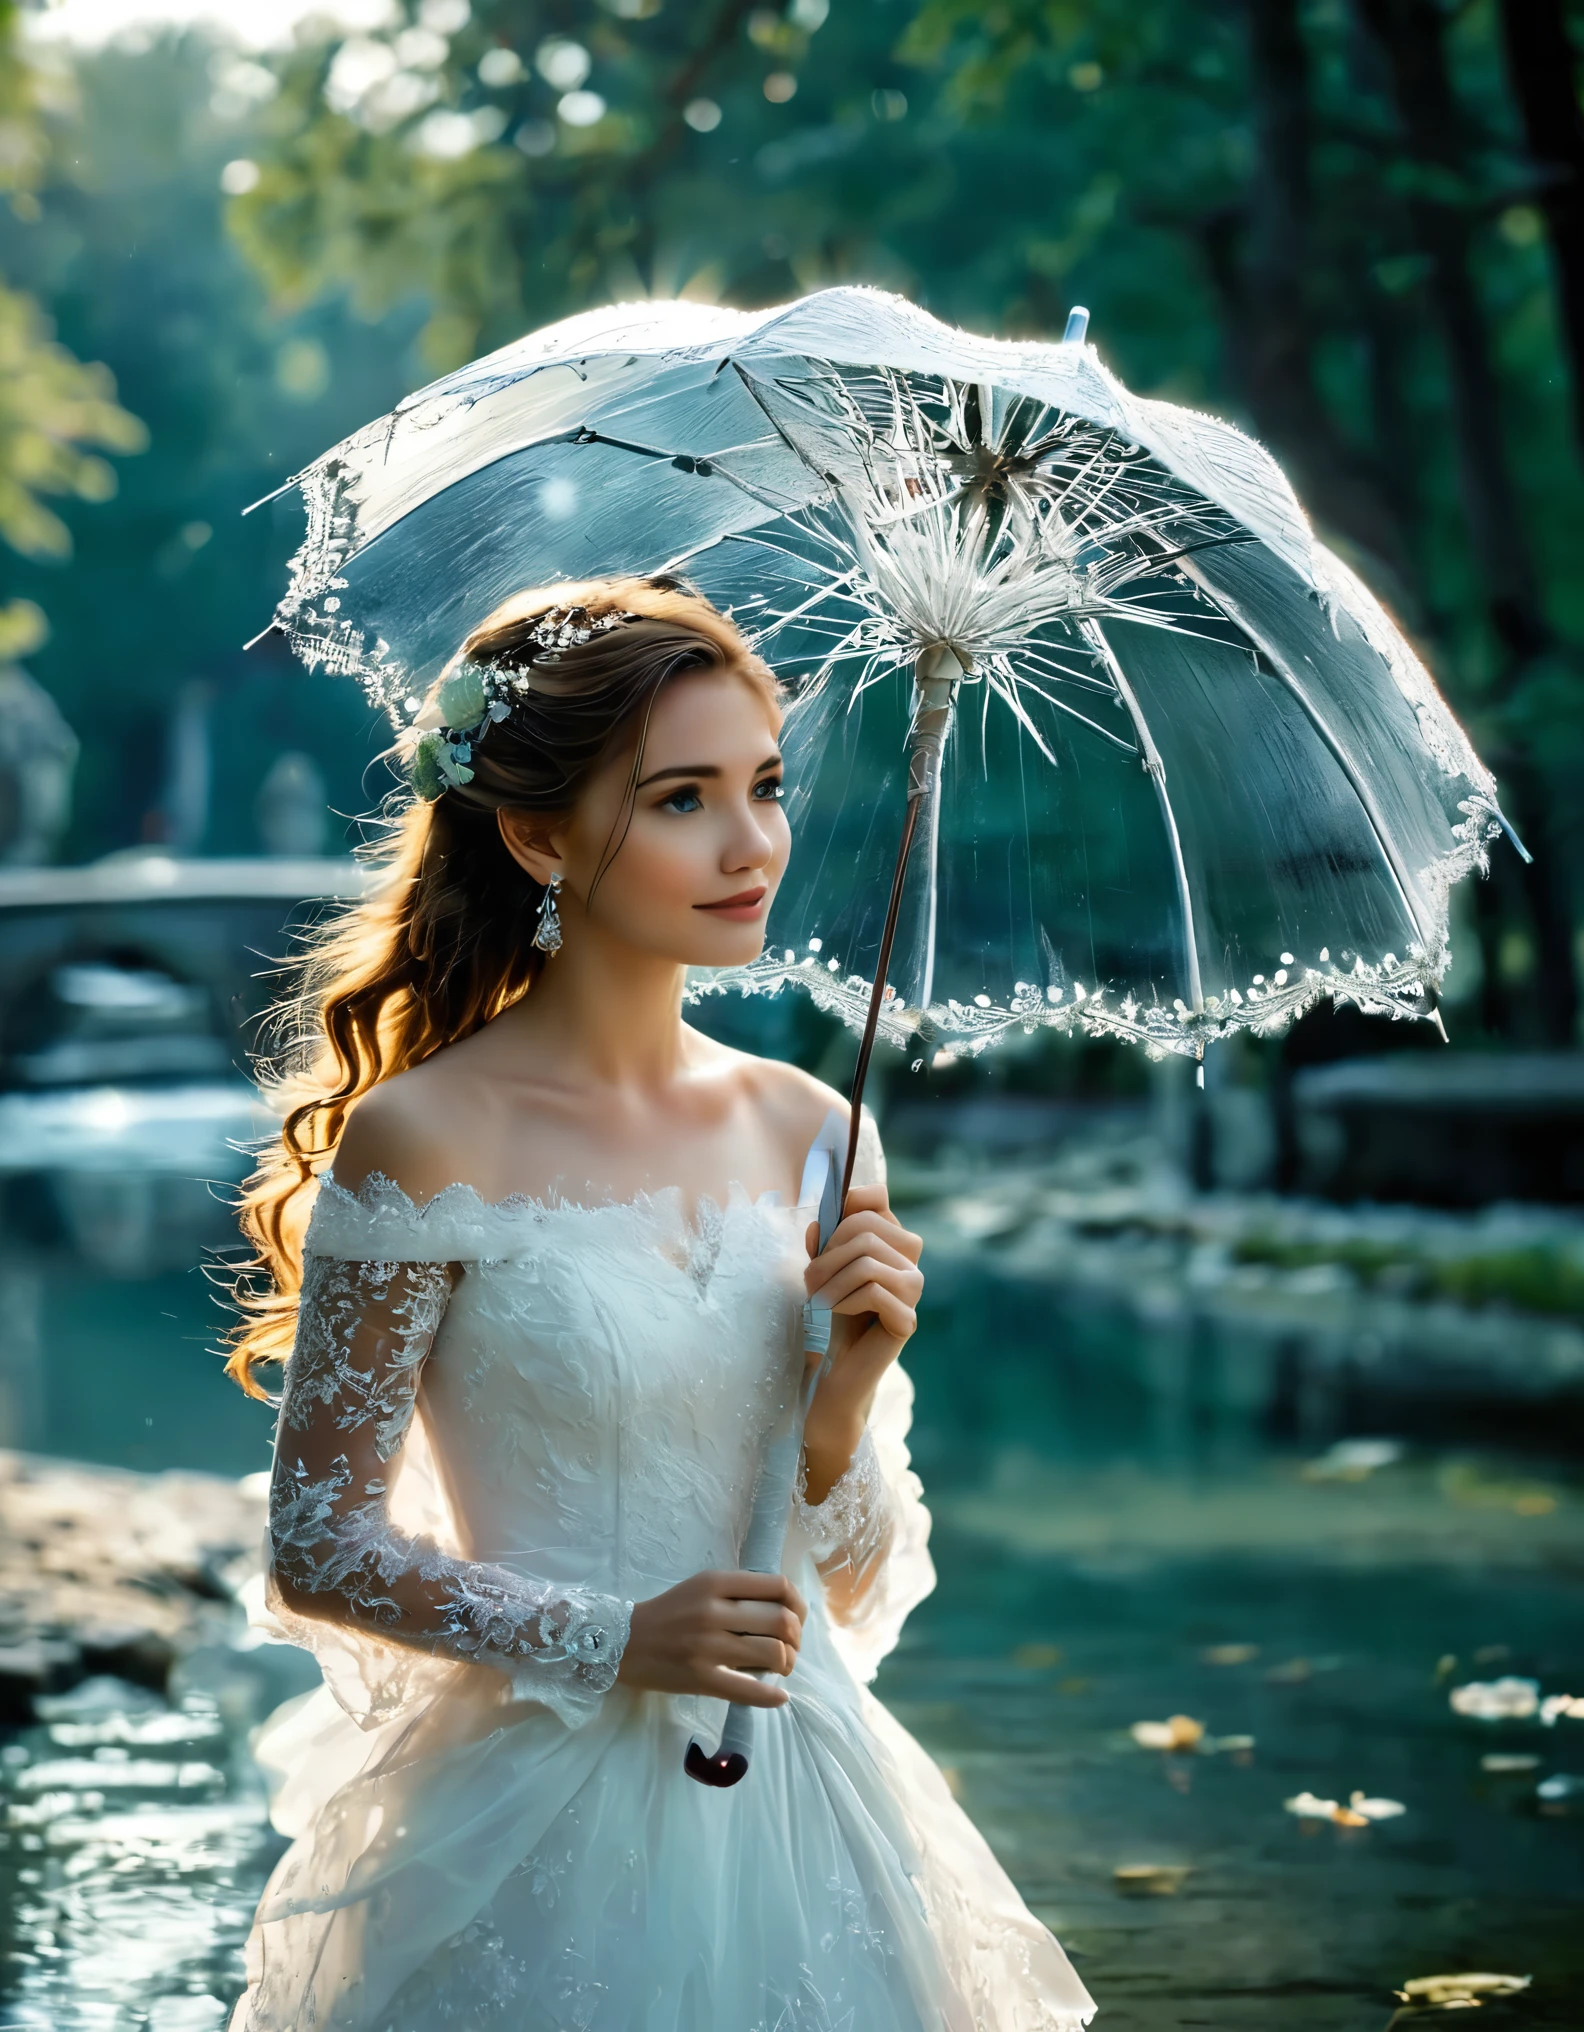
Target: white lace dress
502, 1425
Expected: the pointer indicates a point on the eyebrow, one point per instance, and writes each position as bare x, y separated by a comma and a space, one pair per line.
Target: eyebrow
699, 769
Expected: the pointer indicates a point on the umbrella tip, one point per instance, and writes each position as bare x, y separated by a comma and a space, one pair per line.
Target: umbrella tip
1077, 326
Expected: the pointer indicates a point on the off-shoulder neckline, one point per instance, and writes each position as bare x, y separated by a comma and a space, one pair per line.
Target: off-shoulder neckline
378, 1191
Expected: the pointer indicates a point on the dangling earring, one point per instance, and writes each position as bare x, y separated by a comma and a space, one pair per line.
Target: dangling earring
547, 933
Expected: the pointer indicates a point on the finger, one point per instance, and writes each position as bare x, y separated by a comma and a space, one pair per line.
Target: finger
760, 1619
725, 1684
739, 1584
885, 1226
866, 1199
841, 1253
761, 1587
865, 1217
757, 1654
902, 1280
868, 1227
897, 1318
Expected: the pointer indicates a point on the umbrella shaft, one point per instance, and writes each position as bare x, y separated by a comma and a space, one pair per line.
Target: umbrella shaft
877, 992
939, 672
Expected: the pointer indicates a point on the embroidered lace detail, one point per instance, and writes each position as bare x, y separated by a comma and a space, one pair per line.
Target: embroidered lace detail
377, 1219
364, 1332
849, 1530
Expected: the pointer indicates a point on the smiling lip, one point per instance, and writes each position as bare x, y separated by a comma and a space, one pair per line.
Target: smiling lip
740, 908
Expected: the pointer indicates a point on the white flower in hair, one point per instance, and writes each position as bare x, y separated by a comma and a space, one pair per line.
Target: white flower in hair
436, 748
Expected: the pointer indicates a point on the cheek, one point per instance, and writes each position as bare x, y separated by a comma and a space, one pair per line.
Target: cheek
779, 830
664, 863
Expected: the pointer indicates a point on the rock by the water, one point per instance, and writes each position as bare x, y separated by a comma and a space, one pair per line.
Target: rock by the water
105, 1571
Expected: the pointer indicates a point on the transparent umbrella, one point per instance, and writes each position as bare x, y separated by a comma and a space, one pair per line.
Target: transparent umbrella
1086, 729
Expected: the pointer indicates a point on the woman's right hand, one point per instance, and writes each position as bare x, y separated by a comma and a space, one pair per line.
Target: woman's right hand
707, 1634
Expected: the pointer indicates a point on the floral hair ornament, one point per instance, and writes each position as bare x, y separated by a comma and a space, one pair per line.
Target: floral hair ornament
436, 750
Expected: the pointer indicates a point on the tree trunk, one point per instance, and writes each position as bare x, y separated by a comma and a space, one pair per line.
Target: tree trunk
1542, 72
1411, 37
1270, 327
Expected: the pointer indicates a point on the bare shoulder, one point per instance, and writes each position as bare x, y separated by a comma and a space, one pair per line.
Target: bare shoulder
792, 1102
414, 1128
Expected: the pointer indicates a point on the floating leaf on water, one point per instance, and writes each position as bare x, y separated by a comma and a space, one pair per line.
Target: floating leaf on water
1497, 1700
1446, 1992
1562, 1788
1036, 1657
1376, 1809
1228, 1746
1360, 1810
1150, 1880
1181, 1732
1353, 1460
1492, 1654
1508, 1760
1228, 1654
1307, 1807
1561, 1707
1292, 1673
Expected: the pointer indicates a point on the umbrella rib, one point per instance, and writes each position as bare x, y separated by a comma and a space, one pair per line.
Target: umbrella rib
584, 435
1157, 771
1339, 754
769, 416
1008, 693
1056, 672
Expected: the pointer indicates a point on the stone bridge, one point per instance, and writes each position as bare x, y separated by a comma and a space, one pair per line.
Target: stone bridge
219, 927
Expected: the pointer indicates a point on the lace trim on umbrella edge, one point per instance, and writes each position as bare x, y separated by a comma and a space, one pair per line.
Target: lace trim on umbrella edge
1398, 987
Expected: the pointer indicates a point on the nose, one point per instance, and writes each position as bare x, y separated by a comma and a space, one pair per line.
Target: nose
750, 845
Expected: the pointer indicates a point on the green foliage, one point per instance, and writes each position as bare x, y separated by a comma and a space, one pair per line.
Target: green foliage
56, 411
1543, 1278
545, 217
131, 256
52, 406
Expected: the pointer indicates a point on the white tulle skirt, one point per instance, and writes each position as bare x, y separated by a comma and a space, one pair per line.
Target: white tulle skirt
464, 1865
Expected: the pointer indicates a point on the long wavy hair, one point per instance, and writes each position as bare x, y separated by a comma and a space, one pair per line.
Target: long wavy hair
443, 939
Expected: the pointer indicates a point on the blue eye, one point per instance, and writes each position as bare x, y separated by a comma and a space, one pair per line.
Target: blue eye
768, 789
685, 800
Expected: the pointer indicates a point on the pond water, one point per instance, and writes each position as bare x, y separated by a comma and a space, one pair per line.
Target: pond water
1137, 1517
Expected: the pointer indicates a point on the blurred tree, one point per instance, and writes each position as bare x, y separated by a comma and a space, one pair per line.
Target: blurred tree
56, 411
131, 254
1543, 71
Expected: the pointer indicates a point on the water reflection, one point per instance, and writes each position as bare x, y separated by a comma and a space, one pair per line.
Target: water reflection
134, 1844
111, 1199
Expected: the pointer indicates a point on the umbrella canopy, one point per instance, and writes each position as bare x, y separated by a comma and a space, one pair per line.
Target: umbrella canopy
1193, 777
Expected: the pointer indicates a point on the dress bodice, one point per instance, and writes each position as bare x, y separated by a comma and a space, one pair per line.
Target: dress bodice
603, 1381
505, 1422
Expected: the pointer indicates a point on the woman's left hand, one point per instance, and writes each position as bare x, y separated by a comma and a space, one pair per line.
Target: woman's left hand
868, 1276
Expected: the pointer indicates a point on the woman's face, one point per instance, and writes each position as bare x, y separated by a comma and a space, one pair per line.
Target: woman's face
707, 842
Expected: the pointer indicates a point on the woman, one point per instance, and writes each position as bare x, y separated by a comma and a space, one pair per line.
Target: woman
545, 1312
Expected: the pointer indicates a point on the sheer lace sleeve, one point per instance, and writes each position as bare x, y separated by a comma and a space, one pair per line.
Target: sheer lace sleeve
338, 1556
872, 1528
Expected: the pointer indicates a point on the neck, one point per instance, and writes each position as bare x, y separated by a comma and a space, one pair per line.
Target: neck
611, 1014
